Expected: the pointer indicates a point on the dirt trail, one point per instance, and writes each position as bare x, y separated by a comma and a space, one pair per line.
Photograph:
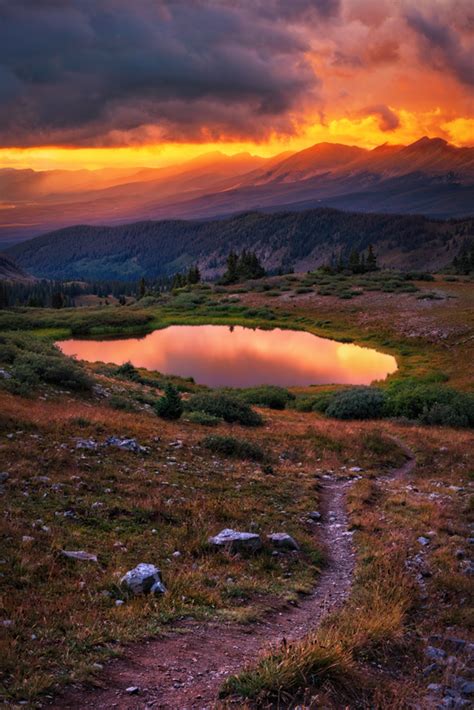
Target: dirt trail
184, 671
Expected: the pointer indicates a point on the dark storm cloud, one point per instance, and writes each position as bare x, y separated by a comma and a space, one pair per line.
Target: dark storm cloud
442, 46
92, 71
388, 120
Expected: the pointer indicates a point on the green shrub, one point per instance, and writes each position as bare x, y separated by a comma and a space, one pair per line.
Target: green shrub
203, 418
321, 401
55, 369
224, 406
170, 405
430, 403
357, 403
267, 396
127, 371
235, 448
116, 401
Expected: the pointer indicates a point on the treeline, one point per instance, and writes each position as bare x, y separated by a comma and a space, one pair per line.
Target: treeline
241, 267
65, 294
463, 263
356, 262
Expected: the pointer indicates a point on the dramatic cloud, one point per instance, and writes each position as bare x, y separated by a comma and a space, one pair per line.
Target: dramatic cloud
141, 72
442, 47
74, 72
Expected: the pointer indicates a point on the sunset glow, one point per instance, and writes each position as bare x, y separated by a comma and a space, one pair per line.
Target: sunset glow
164, 82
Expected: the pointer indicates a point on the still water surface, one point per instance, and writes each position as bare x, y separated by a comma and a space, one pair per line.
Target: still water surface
218, 355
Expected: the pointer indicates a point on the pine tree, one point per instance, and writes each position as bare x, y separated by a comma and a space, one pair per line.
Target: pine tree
57, 299
170, 405
354, 261
142, 287
371, 259
231, 275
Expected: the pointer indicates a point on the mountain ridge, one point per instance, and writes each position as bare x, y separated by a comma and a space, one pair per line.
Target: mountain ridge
429, 176
283, 240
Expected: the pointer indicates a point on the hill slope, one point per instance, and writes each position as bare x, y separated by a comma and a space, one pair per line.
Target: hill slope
301, 240
10, 271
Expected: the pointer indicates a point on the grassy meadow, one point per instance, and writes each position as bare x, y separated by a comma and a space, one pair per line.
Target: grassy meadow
65, 488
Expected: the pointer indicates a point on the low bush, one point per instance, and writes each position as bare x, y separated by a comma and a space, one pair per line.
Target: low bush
224, 406
321, 401
430, 403
203, 418
30, 368
117, 401
127, 371
235, 448
357, 403
170, 406
267, 396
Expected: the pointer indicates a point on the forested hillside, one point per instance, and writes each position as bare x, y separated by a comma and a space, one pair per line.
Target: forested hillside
285, 240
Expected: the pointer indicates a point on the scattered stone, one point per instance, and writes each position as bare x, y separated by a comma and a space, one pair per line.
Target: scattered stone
119, 602
126, 444
428, 670
178, 444
423, 540
133, 690
355, 469
7, 623
283, 541
4, 476
435, 687
79, 555
143, 579
4, 374
436, 654
315, 515
89, 444
176, 553
236, 541
467, 688
27, 538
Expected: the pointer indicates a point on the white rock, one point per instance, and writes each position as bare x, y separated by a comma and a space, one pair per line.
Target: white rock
143, 579
236, 541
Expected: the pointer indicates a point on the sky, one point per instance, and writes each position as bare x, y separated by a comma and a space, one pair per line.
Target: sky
98, 83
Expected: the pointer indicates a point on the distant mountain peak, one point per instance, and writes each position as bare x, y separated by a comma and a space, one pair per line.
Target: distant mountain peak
426, 142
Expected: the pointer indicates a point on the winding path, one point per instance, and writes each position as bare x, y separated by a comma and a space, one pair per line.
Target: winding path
184, 671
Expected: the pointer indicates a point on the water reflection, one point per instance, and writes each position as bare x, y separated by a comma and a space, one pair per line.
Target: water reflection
217, 356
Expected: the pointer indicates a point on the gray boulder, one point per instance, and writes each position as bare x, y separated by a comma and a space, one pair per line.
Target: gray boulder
283, 541
143, 579
235, 541
126, 444
315, 515
79, 555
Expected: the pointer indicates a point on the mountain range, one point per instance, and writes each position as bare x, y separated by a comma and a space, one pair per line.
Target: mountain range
429, 177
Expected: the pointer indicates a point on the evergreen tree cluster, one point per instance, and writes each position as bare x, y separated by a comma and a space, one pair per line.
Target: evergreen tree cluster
463, 263
191, 277
357, 262
63, 294
241, 267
